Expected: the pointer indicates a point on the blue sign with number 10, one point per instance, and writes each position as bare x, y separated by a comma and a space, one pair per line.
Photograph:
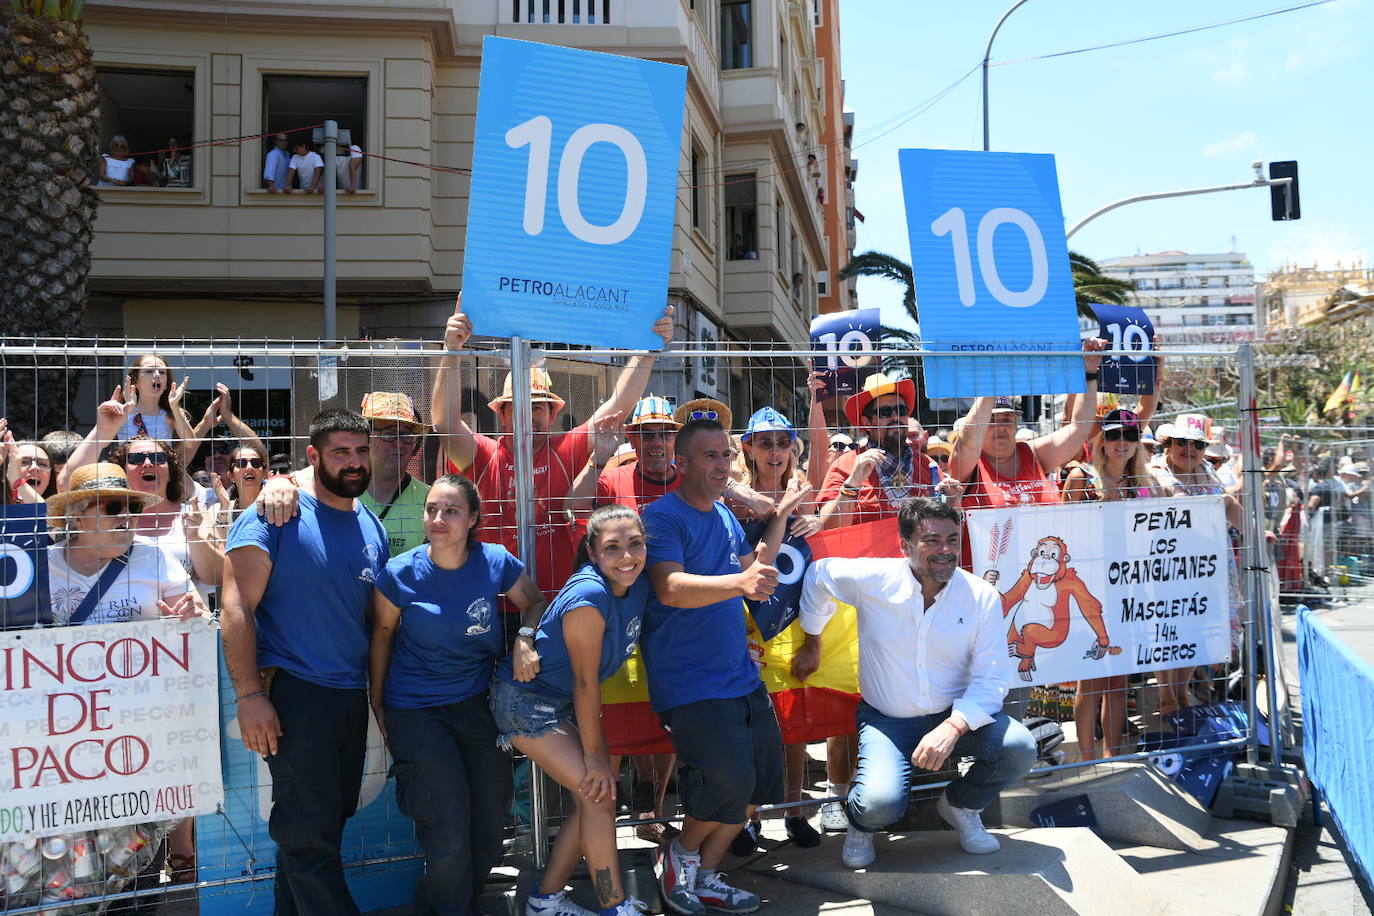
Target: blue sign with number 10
992, 272
574, 189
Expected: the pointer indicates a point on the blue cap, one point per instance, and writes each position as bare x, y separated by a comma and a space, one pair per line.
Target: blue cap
766, 419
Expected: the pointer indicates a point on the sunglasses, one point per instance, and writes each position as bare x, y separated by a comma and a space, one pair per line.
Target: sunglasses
1189, 443
281, 469
138, 458
703, 415
843, 446
892, 410
118, 507
760, 442
1129, 433
248, 463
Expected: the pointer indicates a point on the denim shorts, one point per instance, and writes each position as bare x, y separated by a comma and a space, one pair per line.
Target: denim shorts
521, 712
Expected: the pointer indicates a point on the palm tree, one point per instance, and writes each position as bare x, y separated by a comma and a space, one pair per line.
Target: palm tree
1092, 287
50, 122
877, 264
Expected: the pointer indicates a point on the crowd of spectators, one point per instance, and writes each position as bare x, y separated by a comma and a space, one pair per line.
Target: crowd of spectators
352, 584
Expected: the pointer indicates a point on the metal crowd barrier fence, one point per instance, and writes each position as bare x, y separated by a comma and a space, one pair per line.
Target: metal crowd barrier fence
276, 387
1338, 716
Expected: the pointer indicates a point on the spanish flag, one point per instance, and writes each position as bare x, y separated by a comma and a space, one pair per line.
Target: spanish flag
1344, 393
824, 706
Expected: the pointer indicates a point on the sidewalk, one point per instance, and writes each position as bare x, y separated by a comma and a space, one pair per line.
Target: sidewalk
1320, 879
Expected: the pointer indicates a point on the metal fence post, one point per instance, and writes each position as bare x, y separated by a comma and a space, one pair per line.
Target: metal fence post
523, 441
1257, 568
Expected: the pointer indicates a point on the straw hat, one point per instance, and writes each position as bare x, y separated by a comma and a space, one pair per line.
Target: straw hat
704, 409
541, 389
875, 386
652, 409
94, 481
935, 444
391, 407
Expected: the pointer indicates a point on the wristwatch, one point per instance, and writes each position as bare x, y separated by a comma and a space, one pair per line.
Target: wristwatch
527, 632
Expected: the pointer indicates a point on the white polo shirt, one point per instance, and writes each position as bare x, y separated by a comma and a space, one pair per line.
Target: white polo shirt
915, 661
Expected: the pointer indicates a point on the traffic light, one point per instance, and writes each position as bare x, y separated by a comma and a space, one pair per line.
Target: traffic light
1283, 199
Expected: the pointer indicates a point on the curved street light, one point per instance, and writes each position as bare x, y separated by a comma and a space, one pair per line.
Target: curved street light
987, 55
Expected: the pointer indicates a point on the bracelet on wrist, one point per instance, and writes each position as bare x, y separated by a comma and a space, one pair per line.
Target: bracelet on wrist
849, 490
250, 696
1090, 376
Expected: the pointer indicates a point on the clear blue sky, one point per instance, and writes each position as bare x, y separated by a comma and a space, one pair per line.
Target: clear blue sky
1180, 112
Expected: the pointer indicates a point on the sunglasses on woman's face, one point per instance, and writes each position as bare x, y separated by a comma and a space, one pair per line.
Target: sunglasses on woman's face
135, 459
248, 463
843, 446
1130, 434
1189, 443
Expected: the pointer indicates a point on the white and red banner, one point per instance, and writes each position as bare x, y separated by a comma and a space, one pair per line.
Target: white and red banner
107, 725
1096, 589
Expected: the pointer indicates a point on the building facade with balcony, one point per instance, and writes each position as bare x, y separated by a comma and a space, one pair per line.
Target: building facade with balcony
1300, 297
1187, 295
213, 253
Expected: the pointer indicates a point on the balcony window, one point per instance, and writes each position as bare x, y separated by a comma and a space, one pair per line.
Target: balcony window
291, 102
736, 34
562, 12
741, 217
696, 188
147, 112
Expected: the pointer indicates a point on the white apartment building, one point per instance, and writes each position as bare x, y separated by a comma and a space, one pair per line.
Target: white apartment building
1187, 295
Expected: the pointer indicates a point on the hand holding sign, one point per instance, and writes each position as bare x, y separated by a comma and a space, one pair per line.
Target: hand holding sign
847, 338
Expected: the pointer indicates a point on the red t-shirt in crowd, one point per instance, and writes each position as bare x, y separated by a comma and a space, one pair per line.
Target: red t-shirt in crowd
1028, 486
872, 502
556, 465
989, 490
625, 485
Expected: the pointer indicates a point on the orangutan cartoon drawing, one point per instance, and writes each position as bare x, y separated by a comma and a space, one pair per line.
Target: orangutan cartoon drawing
1038, 607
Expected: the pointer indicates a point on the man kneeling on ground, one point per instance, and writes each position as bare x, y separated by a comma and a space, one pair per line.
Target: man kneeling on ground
932, 670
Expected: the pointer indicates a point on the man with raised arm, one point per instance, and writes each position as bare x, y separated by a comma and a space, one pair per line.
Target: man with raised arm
932, 670
562, 461
702, 682
296, 642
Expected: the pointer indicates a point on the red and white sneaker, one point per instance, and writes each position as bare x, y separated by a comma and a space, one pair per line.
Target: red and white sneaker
715, 894
677, 879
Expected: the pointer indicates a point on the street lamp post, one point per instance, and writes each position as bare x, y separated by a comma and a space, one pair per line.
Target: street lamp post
987, 55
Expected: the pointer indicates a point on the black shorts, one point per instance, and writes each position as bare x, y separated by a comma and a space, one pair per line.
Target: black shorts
729, 755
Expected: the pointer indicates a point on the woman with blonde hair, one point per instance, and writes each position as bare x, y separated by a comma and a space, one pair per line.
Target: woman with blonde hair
1117, 470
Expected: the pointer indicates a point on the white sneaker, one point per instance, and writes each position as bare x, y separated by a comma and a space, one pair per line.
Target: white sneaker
858, 849
969, 825
555, 906
833, 818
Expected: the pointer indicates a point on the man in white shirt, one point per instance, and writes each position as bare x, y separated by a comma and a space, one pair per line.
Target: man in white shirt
308, 167
933, 669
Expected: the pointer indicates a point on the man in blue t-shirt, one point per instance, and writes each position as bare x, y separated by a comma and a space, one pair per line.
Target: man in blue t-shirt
702, 682
296, 643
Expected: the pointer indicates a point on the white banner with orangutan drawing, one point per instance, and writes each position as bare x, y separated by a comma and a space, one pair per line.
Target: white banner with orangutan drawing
1095, 589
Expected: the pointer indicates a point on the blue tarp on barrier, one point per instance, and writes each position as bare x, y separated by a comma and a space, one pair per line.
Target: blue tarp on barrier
1338, 724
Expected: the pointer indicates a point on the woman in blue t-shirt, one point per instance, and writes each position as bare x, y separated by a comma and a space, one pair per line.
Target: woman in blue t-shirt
436, 637
554, 717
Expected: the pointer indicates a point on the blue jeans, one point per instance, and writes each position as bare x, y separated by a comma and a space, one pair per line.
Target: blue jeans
455, 784
1003, 751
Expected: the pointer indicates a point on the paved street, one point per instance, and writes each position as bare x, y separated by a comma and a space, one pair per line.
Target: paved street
1321, 881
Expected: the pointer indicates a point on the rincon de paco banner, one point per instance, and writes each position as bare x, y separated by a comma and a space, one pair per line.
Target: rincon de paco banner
107, 725
1097, 589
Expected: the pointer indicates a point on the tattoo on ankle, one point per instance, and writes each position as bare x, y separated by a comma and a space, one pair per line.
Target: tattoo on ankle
605, 888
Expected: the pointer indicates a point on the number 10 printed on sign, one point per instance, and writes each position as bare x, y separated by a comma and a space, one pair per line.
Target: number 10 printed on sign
574, 189
992, 272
